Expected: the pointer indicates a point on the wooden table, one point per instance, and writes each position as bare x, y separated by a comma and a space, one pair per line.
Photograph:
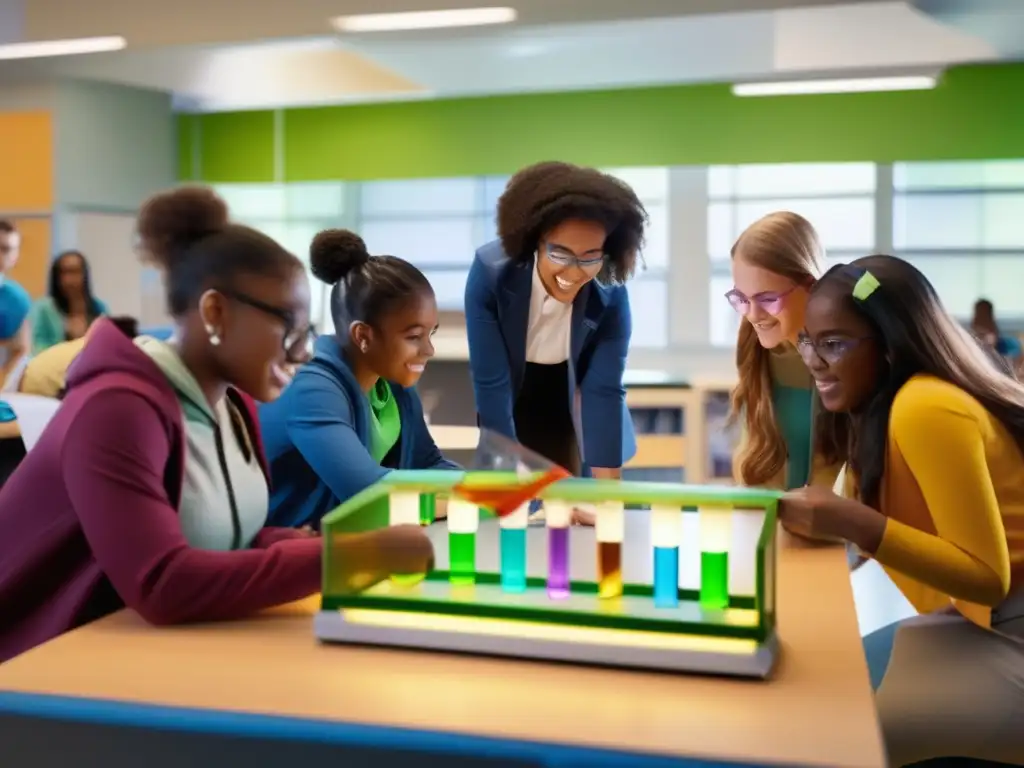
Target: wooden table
818, 709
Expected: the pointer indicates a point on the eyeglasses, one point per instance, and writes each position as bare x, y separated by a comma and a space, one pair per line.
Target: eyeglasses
771, 302
566, 258
829, 350
298, 341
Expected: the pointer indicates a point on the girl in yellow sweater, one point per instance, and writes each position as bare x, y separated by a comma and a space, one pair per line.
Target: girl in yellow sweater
934, 433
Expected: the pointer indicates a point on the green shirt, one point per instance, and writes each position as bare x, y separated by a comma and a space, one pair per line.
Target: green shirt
793, 398
385, 422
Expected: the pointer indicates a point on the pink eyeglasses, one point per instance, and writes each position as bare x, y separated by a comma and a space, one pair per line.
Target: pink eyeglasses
771, 302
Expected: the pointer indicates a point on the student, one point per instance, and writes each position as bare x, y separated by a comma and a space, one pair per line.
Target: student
935, 466
148, 489
351, 414
46, 373
69, 310
984, 326
15, 305
774, 262
548, 317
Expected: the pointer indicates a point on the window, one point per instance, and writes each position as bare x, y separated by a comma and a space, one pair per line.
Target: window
962, 225
837, 198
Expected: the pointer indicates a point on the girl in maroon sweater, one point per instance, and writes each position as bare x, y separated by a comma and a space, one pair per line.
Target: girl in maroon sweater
148, 489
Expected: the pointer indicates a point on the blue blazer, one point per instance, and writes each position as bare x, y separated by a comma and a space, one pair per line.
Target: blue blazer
317, 439
497, 315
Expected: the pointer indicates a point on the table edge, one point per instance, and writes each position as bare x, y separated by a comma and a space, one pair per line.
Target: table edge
279, 727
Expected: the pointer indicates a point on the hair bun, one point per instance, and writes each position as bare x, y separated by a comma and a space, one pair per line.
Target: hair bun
334, 253
171, 221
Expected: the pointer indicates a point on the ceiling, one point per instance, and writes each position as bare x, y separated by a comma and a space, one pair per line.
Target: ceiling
214, 58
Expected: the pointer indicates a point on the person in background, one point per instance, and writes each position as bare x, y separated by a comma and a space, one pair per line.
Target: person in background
934, 494
69, 310
352, 414
774, 263
548, 317
46, 372
15, 306
149, 487
984, 326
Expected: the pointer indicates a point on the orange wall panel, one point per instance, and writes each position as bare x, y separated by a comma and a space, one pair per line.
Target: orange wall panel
27, 139
34, 262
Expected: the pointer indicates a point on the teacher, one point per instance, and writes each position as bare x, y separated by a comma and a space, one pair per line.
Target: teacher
548, 320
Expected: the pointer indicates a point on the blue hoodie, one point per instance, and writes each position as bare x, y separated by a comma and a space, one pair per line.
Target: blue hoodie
317, 439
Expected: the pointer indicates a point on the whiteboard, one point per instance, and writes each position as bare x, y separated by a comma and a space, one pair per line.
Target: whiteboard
118, 276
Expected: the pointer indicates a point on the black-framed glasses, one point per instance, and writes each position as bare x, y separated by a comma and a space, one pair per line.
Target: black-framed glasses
298, 340
829, 350
566, 258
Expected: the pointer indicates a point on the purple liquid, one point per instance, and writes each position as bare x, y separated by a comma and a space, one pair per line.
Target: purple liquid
558, 563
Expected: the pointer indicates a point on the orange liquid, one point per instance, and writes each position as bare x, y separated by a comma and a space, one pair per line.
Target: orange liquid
505, 499
609, 569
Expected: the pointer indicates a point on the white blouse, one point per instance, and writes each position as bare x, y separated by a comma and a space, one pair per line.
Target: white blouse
549, 327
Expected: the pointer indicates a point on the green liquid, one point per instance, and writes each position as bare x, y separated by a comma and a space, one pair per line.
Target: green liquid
428, 508
714, 579
462, 558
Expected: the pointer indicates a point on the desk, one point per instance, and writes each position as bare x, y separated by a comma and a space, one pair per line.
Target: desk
817, 711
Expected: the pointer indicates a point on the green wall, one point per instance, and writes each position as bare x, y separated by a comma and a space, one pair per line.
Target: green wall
976, 112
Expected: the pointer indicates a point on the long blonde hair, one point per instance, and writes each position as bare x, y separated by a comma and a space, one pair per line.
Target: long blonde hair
784, 243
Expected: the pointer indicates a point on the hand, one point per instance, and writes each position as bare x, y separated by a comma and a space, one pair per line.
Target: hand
814, 512
363, 559
584, 514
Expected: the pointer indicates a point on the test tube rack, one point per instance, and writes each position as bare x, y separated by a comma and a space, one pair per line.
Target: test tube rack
709, 606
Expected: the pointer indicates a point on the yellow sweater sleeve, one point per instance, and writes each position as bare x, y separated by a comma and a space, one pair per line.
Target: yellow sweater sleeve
940, 439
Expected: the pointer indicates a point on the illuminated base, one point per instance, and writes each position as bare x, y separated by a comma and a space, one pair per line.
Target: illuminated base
381, 624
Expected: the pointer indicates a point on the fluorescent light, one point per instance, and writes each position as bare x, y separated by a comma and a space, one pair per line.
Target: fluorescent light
850, 85
44, 48
390, 22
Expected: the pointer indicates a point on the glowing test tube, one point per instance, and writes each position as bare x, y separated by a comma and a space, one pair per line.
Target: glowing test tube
463, 521
428, 508
513, 549
559, 518
404, 509
610, 529
715, 535
666, 534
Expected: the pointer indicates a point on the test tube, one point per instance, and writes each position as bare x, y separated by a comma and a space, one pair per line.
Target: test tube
428, 508
463, 522
610, 530
513, 549
558, 515
715, 535
404, 509
666, 534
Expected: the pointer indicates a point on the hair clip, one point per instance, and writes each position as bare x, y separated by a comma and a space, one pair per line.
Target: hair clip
865, 286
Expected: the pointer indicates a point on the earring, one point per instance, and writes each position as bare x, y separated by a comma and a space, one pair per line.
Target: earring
362, 347
214, 336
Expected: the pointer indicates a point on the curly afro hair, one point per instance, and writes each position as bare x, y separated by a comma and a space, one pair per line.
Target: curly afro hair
542, 196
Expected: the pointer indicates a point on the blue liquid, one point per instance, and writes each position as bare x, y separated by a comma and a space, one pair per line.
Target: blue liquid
513, 559
666, 577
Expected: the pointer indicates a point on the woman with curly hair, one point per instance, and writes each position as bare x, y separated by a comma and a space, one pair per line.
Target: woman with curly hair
774, 263
548, 319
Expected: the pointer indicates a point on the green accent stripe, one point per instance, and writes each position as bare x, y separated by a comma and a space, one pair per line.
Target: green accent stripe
237, 147
969, 116
713, 625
